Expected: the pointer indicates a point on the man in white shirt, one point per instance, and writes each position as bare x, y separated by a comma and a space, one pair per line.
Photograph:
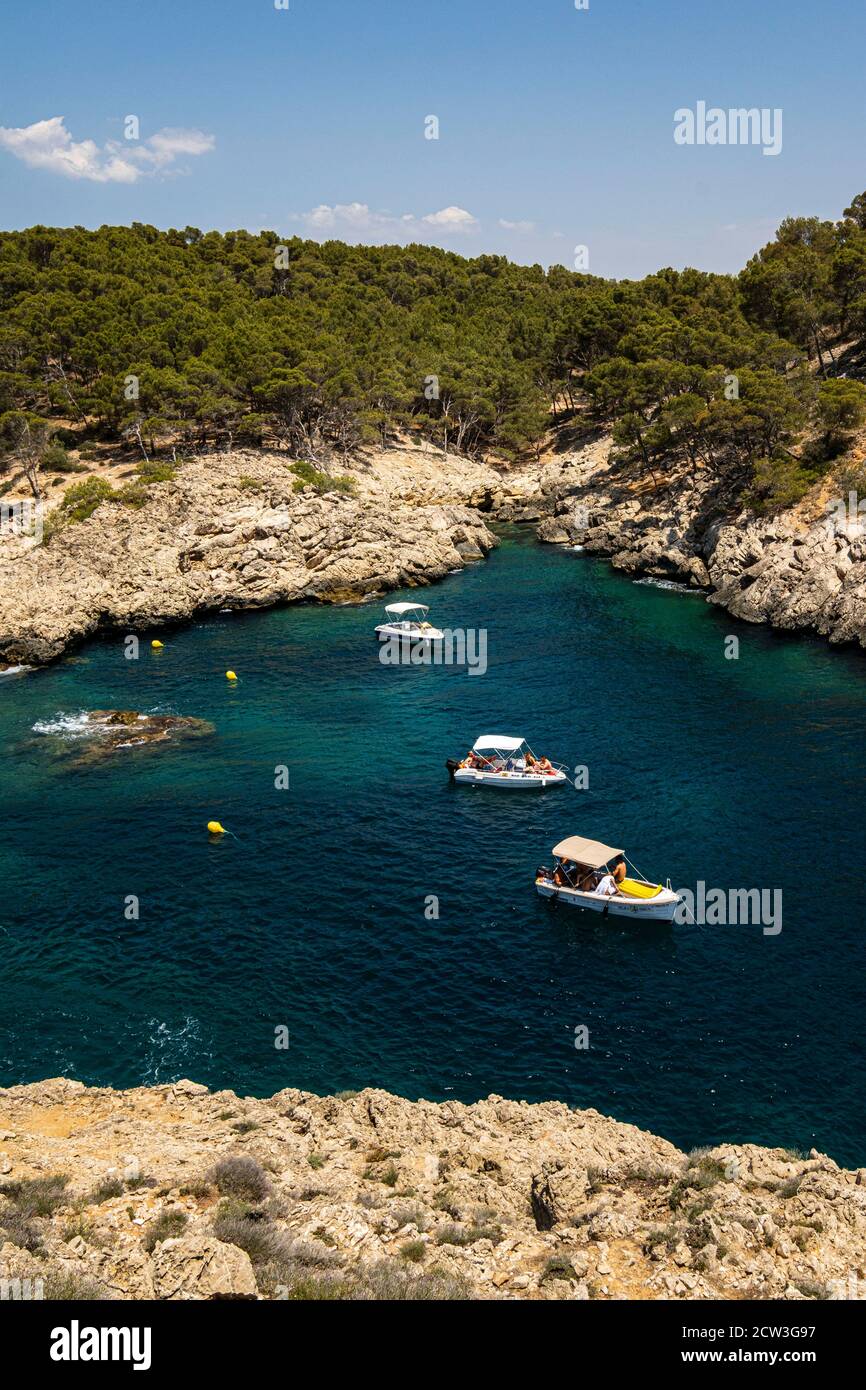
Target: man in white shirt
606, 886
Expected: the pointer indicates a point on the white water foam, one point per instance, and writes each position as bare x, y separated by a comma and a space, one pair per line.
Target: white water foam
15, 670
65, 725
173, 1049
671, 585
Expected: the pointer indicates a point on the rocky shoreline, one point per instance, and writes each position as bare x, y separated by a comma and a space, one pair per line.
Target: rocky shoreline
233, 531
175, 1192
803, 569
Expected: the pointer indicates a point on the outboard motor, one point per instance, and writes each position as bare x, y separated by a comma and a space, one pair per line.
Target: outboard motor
452, 765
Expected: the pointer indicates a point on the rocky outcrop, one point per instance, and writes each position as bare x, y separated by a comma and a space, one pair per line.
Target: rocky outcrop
97, 734
174, 1192
804, 568
233, 531
201, 1267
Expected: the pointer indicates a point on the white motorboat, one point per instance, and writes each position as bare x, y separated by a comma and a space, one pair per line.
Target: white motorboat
593, 876
408, 622
501, 760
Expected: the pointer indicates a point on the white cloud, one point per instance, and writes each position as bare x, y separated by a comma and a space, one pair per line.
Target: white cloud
49, 145
451, 220
361, 219
516, 226
357, 215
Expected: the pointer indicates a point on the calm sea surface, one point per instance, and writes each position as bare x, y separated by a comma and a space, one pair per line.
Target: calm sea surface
740, 773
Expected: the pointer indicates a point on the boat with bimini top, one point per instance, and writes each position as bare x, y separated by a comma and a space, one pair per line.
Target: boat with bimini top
596, 877
502, 760
408, 621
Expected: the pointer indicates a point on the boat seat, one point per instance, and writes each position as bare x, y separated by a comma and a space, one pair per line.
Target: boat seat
633, 889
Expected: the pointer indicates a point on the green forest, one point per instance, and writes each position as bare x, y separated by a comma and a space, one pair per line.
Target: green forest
185, 341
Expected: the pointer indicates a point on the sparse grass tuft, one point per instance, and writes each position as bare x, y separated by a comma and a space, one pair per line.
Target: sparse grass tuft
105, 1190
60, 1287
558, 1267
467, 1235
20, 1231
414, 1251
196, 1189
81, 1226
167, 1225
36, 1196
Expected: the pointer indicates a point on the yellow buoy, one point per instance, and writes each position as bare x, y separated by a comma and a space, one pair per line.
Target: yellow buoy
230, 676
156, 644
215, 828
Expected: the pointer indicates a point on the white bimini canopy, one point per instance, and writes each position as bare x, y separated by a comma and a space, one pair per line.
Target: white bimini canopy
399, 608
497, 743
589, 852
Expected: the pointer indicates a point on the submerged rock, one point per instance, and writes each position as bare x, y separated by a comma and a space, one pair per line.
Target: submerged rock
97, 734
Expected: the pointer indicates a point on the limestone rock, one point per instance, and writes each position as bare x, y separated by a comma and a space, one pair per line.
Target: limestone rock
500, 1199
797, 570
200, 1267
205, 540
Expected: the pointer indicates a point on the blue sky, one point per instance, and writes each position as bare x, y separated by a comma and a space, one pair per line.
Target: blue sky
555, 122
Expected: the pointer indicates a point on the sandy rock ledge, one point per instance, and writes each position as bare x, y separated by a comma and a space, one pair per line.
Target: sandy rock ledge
174, 1192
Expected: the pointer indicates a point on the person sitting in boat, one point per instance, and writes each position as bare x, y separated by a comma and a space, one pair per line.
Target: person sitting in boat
586, 879
543, 765
564, 874
619, 869
530, 761
606, 886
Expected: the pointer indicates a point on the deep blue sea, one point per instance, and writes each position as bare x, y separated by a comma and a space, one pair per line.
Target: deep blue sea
740, 773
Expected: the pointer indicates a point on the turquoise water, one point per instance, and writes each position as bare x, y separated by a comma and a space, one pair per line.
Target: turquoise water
741, 773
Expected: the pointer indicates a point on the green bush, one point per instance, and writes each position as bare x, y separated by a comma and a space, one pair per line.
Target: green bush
155, 472
558, 1267
56, 460
780, 482
309, 476
467, 1235
82, 499
130, 495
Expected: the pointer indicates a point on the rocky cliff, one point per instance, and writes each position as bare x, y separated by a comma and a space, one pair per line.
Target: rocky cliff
803, 568
173, 1192
233, 531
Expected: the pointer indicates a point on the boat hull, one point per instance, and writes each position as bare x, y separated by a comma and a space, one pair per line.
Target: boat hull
509, 781
661, 908
386, 633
